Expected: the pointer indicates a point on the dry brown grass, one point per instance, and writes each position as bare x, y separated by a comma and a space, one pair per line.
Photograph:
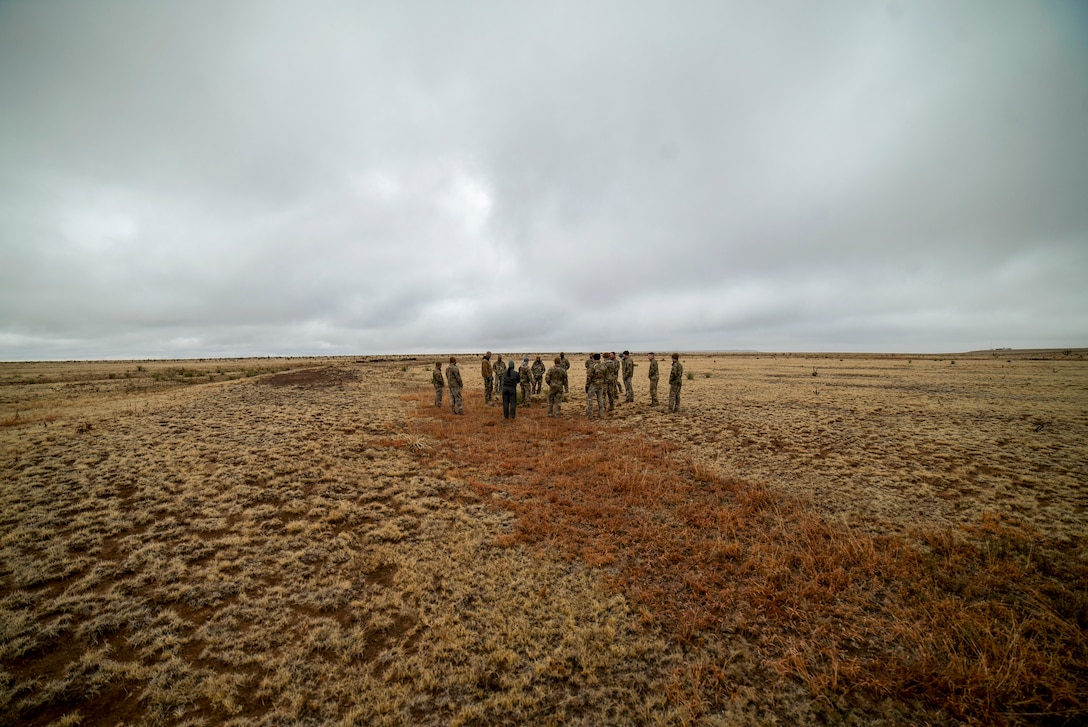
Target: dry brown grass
983, 623
886, 542
264, 551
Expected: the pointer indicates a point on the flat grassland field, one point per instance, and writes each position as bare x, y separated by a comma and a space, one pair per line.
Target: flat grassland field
812, 539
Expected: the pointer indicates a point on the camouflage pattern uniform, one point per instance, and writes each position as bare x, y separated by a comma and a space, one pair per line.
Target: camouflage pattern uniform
453, 378
676, 380
489, 378
538, 374
565, 363
496, 372
595, 387
653, 376
611, 376
557, 384
526, 375
439, 384
628, 374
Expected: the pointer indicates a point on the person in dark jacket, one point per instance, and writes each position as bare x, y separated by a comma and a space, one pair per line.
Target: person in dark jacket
510, 380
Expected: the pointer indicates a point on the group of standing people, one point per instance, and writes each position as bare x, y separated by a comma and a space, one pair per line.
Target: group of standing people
603, 374
505, 382
453, 378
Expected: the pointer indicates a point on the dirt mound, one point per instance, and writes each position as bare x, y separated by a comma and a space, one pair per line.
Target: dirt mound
312, 378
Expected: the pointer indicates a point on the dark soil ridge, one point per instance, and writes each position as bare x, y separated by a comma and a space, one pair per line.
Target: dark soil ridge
315, 378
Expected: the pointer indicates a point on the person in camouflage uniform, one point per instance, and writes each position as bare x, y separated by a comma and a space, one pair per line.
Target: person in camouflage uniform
556, 379
489, 378
526, 375
453, 378
676, 380
497, 370
439, 383
566, 367
538, 375
611, 374
653, 376
595, 385
628, 370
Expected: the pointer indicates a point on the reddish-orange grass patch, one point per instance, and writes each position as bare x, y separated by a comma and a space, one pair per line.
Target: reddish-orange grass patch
986, 624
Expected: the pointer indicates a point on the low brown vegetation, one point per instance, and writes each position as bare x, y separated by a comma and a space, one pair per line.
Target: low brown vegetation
980, 624
891, 541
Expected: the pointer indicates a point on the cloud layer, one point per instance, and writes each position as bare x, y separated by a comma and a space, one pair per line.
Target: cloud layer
254, 178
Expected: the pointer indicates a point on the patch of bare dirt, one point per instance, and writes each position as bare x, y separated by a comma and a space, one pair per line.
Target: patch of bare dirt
329, 376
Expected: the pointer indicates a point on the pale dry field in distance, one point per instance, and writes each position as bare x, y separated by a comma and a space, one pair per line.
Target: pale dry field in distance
308, 541
899, 441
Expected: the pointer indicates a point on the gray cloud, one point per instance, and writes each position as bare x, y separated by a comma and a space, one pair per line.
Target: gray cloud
250, 178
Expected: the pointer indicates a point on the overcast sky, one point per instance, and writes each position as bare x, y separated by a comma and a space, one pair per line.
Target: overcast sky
216, 178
